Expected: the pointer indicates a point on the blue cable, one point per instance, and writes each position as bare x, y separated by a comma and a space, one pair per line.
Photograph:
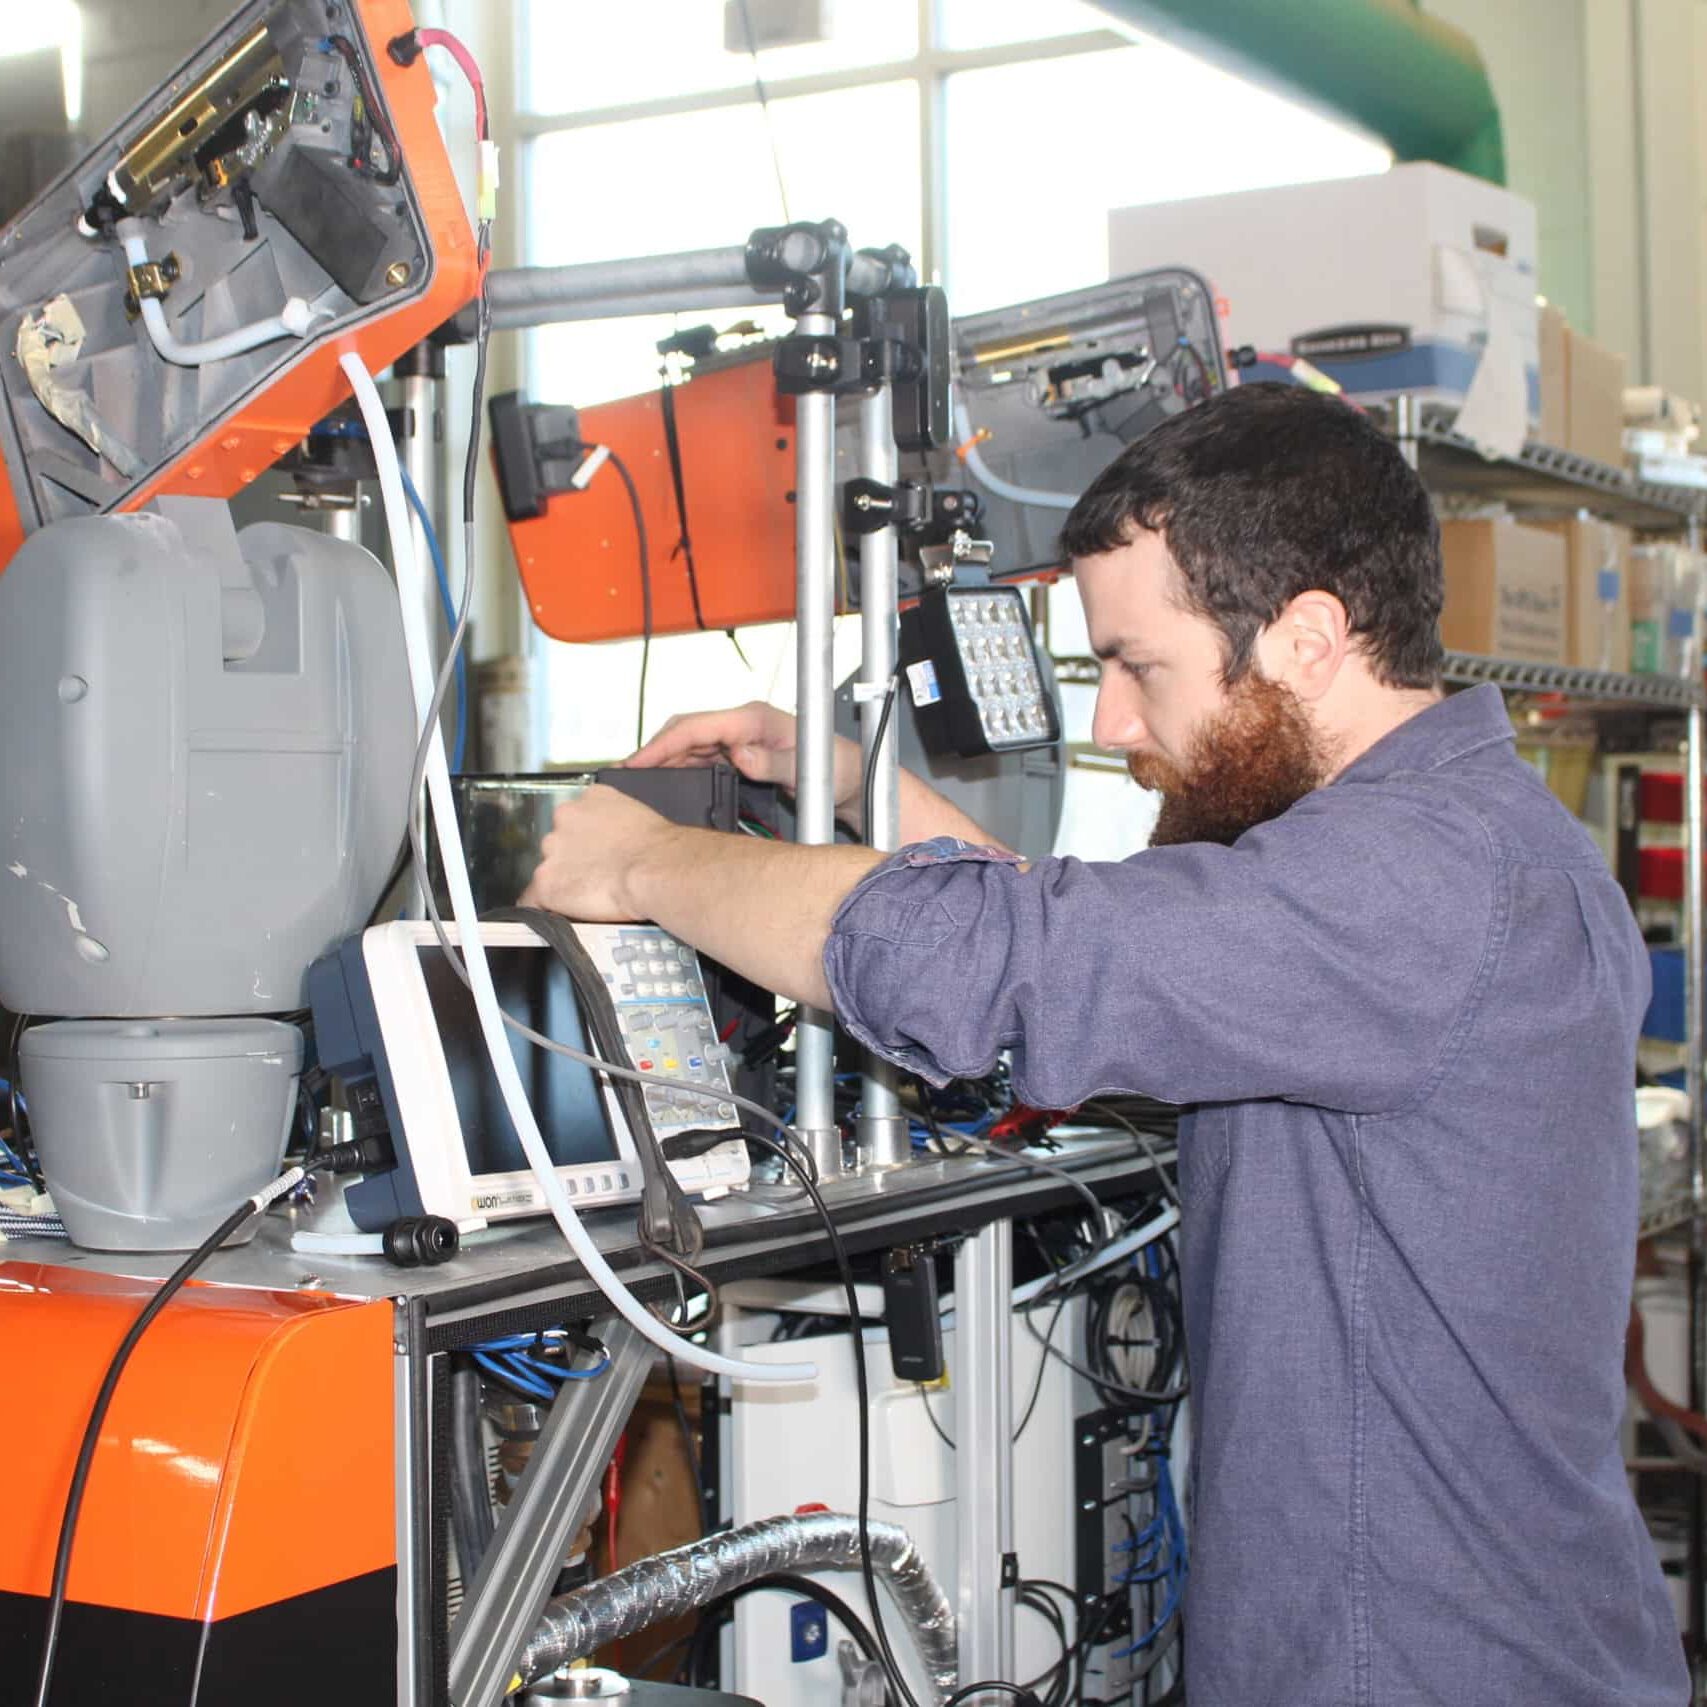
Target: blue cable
508, 1359
448, 605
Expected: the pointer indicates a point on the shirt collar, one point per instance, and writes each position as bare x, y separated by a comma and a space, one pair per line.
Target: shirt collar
1459, 724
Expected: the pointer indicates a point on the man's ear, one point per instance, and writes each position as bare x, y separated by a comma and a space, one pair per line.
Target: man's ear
1306, 644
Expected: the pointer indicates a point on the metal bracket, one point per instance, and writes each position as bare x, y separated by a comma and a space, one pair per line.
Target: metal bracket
814, 361
939, 562
869, 505
150, 279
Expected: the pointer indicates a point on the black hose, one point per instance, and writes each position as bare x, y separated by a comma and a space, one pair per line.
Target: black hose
471, 1495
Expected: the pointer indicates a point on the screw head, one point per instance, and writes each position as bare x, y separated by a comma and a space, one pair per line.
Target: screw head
397, 273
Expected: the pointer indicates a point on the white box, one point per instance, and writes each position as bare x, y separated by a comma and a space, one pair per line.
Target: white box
1393, 282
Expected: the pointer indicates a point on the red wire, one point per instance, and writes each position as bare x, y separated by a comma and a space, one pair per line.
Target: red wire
469, 68
613, 1499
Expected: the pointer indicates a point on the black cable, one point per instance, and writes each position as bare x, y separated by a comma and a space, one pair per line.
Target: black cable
375, 114
164, 1294
1058, 1677
971, 1690
690, 1447
391, 883
808, 1588
472, 1521
844, 1269
1102, 1383
923, 1092
1042, 1365
669, 1228
1107, 1111
930, 1417
23, 1143
678, 479
645, 590
870, 800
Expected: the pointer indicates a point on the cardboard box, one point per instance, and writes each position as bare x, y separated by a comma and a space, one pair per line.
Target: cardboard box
1505, 591
1553, 427
1597, 593
1394, 282
1594, 410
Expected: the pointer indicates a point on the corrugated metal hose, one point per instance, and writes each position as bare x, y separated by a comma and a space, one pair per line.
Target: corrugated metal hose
671, 1584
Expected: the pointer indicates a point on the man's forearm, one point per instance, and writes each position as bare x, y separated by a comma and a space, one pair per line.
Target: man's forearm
926, 814
761, 908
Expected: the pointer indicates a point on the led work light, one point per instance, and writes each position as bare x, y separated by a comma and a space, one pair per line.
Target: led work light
972, 668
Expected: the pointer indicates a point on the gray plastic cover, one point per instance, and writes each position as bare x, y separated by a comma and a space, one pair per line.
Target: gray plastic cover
148, 1142
205, 773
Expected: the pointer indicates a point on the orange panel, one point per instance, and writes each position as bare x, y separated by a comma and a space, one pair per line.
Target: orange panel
580, 562
238, 448
215, 1447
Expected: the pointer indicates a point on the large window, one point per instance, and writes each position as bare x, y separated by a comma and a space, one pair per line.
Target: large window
990, 137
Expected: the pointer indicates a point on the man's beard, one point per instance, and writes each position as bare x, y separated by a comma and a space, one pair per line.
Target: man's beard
1256, 757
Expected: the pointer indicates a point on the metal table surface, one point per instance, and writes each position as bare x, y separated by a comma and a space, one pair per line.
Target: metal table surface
762, 1231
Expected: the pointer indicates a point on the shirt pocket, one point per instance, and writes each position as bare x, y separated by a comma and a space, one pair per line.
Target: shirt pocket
1205, 1148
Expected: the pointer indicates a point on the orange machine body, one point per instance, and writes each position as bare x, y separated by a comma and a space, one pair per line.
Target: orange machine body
238, 1533
580, 561
234, 450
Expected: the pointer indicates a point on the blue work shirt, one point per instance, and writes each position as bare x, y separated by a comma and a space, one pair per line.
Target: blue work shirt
1406, 1013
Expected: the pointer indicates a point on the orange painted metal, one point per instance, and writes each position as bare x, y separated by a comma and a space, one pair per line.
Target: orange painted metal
240, 446
213, 1490
580, 563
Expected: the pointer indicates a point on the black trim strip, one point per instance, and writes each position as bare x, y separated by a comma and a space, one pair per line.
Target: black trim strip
334, 1646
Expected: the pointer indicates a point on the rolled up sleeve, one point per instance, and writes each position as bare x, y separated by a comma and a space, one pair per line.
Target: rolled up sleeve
1328, 957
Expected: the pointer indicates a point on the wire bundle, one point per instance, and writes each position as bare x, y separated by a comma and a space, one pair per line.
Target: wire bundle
536, 1365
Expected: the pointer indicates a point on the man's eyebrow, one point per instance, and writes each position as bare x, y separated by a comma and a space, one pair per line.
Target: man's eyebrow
1113, 649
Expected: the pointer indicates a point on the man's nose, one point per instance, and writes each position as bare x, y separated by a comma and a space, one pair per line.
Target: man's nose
1117, 726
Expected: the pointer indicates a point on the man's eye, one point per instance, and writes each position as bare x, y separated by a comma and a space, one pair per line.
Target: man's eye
1136, 671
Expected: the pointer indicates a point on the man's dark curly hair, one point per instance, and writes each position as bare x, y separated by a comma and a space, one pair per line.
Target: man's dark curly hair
1264, 492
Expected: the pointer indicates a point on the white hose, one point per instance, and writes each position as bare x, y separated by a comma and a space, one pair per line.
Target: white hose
986, 477
295, 320
411, 588
1121, 1248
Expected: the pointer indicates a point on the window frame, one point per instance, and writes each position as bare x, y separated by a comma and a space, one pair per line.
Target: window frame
928, 70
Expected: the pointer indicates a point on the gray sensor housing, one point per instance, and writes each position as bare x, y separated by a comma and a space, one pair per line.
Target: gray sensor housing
205, 773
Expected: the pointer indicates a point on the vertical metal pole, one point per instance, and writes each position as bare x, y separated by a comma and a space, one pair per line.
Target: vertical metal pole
883, 1141
1694, 755
815, 750
346, 524
1405, 428
410, 1422
983, 1459
420, 374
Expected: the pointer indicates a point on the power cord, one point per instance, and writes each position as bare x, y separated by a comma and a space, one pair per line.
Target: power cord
164, 1294
635, 505
844, 1270
870, 798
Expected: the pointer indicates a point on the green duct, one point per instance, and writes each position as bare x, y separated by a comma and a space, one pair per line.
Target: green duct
1413, 81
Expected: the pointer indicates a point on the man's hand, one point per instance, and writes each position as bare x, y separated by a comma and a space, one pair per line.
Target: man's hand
757, 739
762, 908
595, 846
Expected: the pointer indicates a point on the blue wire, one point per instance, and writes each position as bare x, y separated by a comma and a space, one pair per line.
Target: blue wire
447, 604
508, 1359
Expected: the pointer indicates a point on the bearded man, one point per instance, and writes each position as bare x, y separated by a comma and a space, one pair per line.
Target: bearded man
1399, 990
